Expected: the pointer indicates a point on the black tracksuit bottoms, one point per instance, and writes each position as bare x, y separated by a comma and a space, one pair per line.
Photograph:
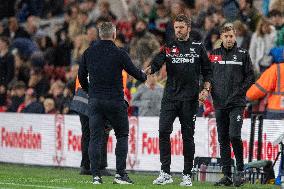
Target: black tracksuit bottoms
229, 125
186, 111
115, 111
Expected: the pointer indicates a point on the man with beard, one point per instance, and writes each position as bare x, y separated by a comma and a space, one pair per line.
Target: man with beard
143, 45
185, 60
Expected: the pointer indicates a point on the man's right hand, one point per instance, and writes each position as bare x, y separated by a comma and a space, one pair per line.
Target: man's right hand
148, 70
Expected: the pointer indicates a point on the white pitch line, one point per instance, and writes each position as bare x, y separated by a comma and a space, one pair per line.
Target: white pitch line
30, 185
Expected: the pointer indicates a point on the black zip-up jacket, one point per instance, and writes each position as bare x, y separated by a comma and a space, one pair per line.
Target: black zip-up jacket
185, 60
104, 62
232, 76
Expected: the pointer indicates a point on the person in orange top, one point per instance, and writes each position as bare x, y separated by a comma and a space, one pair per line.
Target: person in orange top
271, 82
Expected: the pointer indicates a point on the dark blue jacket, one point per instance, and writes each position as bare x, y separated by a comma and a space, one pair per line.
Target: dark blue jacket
34, 107
104, 62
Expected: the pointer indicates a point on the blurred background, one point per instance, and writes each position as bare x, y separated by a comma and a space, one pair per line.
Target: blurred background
41, 42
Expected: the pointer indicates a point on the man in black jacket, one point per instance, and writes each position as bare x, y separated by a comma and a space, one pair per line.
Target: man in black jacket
185, 59
232, 76
103, 64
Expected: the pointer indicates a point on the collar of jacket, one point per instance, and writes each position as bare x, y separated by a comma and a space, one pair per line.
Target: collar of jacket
228, 50
186, 41
106, 42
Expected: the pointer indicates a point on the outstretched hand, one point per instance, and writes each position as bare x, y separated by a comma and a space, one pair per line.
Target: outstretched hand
148, 70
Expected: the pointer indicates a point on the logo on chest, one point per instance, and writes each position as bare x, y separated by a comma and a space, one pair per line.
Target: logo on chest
172, 51
215, 58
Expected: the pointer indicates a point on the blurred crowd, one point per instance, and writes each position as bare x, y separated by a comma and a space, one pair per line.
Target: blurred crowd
39, 62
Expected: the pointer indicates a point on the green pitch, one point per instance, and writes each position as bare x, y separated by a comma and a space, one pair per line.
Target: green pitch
23, 177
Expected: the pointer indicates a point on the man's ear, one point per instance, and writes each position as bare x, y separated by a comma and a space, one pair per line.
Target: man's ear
189, 29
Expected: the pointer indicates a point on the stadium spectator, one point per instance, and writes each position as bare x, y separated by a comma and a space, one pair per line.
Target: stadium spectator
276, 5
6, 69
80, 45
249, 14
64, 42
49, 51
52, 8
14, 30
22, 69
6, 63
56, 92
17, 96
32, 26
74, 26
148, 98
143, 44
277, 19
261, 43
31, 105
243, 35
38, 81
49, 106
230, 9
92, 8
26, 8
92, 34
161, 19
105, 11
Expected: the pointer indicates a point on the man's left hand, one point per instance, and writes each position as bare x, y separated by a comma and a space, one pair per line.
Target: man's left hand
203, 95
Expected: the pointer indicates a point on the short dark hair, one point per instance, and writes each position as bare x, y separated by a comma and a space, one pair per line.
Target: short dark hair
183, 18
274, 13
227, 27
19, 85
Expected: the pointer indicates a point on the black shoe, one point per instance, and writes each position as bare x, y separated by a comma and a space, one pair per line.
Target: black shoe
84, 171
122, 179
239, 179
97, 180
225, 181
105, 172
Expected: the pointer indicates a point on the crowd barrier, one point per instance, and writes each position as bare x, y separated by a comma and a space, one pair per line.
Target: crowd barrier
54, 140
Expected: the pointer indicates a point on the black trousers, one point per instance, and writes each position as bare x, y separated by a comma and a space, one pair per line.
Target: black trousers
85, 140
115, 111
229, 125
186, 111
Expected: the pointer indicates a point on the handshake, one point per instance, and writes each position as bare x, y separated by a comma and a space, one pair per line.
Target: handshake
147, 71
203, 95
